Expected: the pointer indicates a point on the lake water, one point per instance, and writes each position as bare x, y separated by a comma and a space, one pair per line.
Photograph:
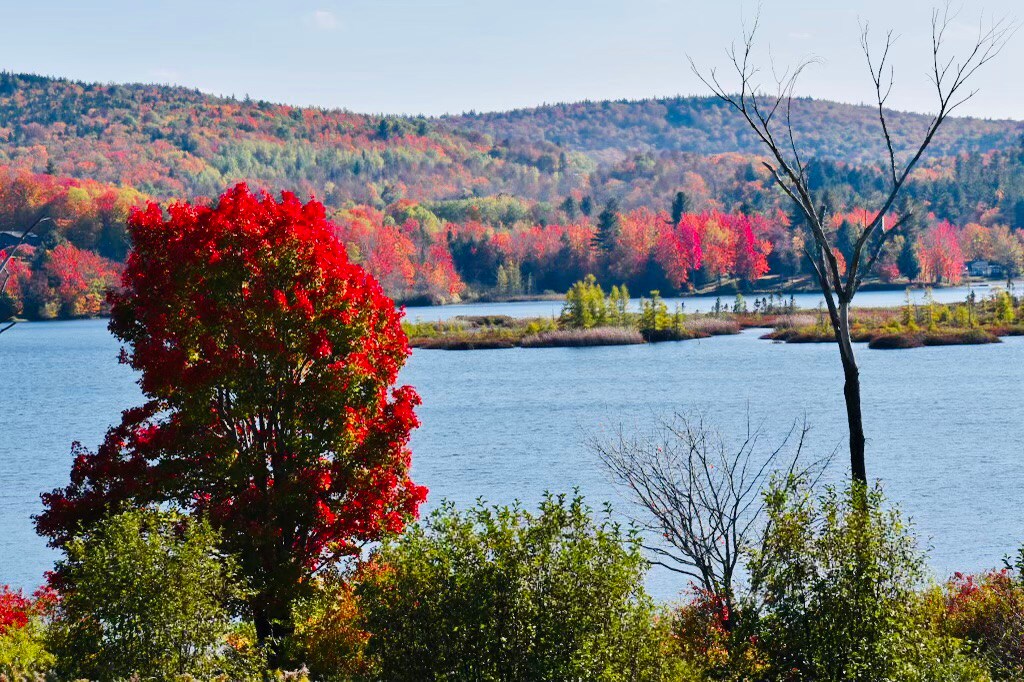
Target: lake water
944, 424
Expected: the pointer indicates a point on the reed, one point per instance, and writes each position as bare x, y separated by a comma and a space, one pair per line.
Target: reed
597, 336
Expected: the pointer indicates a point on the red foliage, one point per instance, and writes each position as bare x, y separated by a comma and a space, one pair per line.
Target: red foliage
702, 628
268, 359
16, 609
988, 611
751, 251
679, 251
940, 255
639, 235
407, 259
80, 279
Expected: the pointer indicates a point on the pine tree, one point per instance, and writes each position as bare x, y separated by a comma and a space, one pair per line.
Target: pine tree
587, 206
908, 263
608, 227
680, 205
570, 208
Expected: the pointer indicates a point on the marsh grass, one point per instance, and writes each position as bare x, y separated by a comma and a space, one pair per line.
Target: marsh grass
596, 336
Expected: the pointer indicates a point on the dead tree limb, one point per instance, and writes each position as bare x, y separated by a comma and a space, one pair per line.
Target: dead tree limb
6, 256
787, 168
701, 495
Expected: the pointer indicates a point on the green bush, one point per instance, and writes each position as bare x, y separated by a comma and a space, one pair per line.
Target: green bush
838, 578
23, 652
145, 593
585, 305
502, 594
329, 637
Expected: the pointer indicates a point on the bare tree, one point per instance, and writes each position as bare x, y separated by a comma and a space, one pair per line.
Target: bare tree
700, 494
769, 115
6, 256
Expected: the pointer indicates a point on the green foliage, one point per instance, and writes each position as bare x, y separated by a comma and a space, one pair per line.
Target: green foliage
143, 592
539, 325
328, 635
1004, 308
509, 279
619, 300
654, 315
585, 305
23, 651
609, 225
838, 576
504, 594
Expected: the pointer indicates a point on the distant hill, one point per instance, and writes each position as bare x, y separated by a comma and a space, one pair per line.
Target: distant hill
172, 141
438, 207
705, 125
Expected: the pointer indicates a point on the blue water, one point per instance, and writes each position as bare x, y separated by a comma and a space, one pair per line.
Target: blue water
944, 424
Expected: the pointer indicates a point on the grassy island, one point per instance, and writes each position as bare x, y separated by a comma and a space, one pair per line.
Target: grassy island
592, 318
915, 325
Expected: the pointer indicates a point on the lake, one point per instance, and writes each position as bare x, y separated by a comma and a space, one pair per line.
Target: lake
943, 424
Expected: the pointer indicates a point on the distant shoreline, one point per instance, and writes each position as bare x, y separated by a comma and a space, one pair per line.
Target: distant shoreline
729, 288
726, 290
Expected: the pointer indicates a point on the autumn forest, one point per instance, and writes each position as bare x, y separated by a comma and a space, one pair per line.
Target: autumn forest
656, 194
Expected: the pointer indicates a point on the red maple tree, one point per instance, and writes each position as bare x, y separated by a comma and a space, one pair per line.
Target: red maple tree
269, 362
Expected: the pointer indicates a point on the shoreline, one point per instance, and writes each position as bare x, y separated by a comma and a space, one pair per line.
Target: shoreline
794, 286
727, 290
878, 328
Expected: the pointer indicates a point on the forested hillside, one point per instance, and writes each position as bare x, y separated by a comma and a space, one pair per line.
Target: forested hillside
705, 125
659, 194
174, 141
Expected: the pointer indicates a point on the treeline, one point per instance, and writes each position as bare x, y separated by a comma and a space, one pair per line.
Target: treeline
73, 255
501, 246
505, 247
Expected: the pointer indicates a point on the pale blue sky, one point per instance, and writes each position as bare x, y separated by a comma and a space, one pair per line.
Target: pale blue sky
437, 56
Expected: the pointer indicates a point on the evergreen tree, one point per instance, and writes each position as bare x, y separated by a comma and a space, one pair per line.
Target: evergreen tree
608, 226
908, 262
587, 206
570, 208
845, 238
680, 205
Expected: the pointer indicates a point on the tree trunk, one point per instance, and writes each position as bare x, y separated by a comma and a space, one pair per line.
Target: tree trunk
851, 391
272, 629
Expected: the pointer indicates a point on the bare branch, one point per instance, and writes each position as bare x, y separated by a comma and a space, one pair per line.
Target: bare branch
701, 495
8, 256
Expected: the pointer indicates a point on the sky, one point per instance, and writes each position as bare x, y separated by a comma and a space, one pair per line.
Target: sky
450, 56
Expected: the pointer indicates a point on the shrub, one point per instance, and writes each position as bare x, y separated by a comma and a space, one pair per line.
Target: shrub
838, 578
988, 612
502, 594
896, 341
23, 653
329, 637
144, 592
714, 641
